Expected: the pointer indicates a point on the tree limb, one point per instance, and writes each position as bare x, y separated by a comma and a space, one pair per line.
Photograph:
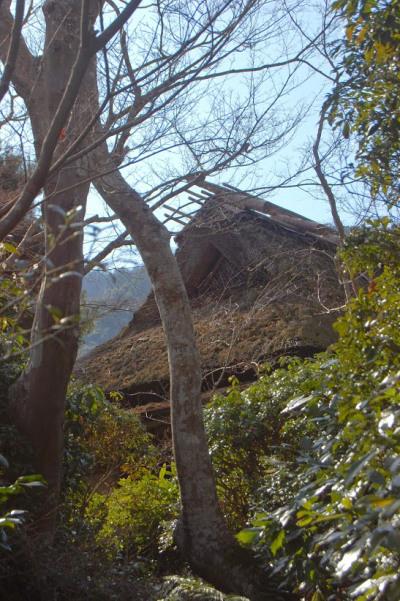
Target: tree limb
321, 175
13, 48
101, 40
117, 243
23, 63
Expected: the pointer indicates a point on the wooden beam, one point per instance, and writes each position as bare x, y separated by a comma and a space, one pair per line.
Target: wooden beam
180, 221
181, 212
201, 196
189, 203
195, 200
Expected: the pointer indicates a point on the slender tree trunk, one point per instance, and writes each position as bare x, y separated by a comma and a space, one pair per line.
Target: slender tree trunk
203, 535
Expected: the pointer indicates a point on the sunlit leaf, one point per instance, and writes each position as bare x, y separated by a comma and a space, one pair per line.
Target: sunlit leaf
277, 543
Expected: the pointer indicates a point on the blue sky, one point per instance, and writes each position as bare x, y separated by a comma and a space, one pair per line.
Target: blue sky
308, 201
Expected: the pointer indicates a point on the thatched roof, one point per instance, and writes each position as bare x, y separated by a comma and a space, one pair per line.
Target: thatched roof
228, 198
261, 281
27, 232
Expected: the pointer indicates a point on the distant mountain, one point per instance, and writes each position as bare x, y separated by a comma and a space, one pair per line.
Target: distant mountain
109, 299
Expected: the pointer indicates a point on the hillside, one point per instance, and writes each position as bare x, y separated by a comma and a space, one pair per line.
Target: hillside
108, 300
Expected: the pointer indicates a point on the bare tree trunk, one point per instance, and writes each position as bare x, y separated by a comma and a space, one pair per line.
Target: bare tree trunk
204, 538
349, 285
38, 397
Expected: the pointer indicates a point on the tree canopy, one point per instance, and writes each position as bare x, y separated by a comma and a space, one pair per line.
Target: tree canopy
367, 99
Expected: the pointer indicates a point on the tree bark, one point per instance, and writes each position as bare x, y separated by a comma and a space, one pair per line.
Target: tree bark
13, 49
56, 89
349, 285
38, 397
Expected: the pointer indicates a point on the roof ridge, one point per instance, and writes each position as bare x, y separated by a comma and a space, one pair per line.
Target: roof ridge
276, 213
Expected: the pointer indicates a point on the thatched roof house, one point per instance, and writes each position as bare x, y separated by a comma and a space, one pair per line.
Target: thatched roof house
261, 280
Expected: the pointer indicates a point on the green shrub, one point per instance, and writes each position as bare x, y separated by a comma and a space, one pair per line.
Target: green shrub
129, 520
339, 536
13, 345
178, 588
102, 443
13, 518
252, 444
102, 437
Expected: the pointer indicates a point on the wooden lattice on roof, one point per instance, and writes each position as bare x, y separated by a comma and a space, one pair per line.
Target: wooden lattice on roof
227, 198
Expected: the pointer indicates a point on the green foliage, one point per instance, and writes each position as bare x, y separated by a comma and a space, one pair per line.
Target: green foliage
370, 248
12, 348
84, 406
337, 536
102, 437
12, 518
102, 442
251, 442
129, 519
367, 101
13, 302
178, 588
16, 479
122, 515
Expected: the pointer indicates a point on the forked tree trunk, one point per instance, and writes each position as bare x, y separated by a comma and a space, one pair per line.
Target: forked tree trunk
38, 397
204, 538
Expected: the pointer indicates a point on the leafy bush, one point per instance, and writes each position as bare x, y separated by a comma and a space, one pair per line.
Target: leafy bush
366, 99
339, 535
252, 444
129, 520
178, 588
101, 436
12, 518
102, 442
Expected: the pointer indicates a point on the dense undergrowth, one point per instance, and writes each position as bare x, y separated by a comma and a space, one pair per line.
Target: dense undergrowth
319, 446
306, 460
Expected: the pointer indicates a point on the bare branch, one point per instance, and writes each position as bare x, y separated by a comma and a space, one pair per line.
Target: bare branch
22, 69
13, 49
39, 176
321, 175
87, 49
113, 245
101, 40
